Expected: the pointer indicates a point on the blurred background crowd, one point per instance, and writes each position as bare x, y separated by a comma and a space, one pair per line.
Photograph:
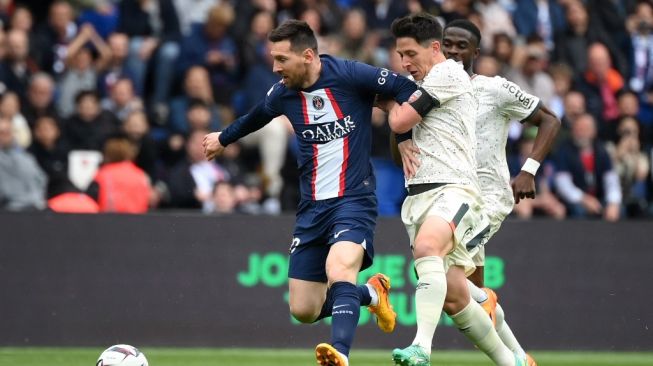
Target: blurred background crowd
104, 104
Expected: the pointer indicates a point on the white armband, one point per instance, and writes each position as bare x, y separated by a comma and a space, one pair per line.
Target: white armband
531, 166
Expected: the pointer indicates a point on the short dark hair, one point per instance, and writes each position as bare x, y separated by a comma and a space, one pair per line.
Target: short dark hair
466, 25
421, 27
299, 34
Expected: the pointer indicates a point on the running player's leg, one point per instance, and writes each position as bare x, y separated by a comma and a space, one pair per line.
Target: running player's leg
486, 297
470, 318
342, 266
432, 242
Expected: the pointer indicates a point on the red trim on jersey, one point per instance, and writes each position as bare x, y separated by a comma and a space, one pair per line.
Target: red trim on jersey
314, 176
345, 159
304, 109
334, 104
306, 122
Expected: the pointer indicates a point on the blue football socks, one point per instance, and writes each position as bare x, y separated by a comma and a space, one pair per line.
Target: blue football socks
344, 315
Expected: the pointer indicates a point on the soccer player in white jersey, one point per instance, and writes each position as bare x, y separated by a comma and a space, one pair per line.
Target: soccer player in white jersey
443, 212
500, 101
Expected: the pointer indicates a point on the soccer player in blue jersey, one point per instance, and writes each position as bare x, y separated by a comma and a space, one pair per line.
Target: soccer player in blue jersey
329, 103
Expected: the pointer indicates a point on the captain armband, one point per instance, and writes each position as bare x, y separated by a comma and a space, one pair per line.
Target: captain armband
423, 102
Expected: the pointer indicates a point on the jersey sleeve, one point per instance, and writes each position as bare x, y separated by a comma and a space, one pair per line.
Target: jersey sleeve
257, 118
379, 80
446, 83
515, 102
273, 104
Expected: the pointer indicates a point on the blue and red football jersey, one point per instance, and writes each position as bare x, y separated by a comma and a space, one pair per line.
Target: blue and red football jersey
332, 122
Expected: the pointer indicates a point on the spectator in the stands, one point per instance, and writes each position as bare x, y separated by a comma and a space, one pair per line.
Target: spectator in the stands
257, 38
197, 85
17, 67
582, 31
90, 125
122, 101
10, 108
356, 41
82, 69
52, 39
118, 67
585, 177
563, 78
153, 29
632, 166
223, 199
22, 182
640, 56
543, 18
192, 180
600, 84
51, 152
211, 46
503, 52
40, 98
137, 128
121, 186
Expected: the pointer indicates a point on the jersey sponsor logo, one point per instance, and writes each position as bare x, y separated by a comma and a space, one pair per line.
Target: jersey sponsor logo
513, 89
383, 75
327, 131
318, 103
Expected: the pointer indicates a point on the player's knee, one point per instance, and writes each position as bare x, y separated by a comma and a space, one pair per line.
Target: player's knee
303, 314
425, 248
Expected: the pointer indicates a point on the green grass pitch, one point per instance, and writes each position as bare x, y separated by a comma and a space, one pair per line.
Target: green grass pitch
267, 357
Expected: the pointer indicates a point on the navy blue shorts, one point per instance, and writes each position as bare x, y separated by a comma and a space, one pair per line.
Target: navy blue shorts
322, 223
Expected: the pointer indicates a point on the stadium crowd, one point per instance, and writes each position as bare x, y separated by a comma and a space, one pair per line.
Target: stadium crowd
104, 103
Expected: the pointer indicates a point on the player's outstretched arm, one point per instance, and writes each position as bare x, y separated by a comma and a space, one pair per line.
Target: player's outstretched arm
523, 186
256, 119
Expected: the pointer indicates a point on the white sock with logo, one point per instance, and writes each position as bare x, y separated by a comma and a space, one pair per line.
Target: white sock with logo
474, 323
506, 334
476, 293
429, 298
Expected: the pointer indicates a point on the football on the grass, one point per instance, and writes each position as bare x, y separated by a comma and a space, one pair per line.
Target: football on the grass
122, 355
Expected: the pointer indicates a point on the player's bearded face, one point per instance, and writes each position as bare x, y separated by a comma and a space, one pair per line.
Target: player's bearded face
289, 64
416, 58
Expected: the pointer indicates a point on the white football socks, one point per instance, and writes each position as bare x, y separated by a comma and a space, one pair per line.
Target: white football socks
503, 330
429, 299
476, 293
474, 323
506, 335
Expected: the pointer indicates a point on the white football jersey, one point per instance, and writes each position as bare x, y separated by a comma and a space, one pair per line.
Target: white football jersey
445, 136
499, 102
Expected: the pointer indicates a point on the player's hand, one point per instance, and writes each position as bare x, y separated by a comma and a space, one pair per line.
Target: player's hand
212, 145
409, 159
523, 186
591, 204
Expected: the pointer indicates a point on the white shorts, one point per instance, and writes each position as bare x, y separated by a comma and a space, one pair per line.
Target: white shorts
462, 208
495, 218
